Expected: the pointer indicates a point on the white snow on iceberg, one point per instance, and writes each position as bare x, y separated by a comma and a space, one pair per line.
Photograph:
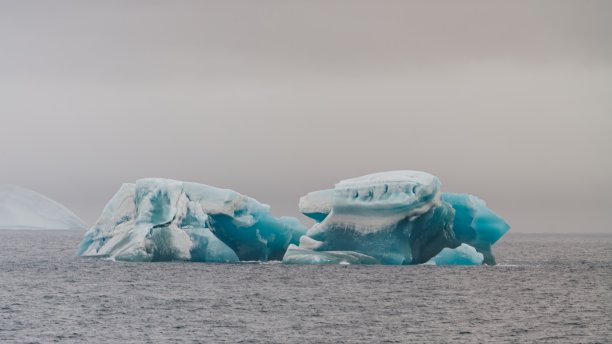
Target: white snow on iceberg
22, 208
299, 255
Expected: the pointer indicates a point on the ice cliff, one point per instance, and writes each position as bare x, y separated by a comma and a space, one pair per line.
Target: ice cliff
396, 218
162, 220
22, 208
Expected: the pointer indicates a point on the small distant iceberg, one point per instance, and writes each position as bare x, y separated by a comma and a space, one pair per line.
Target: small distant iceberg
22, 208
462, 255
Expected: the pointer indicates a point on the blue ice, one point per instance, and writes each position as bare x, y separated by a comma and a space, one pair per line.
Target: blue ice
397, 218
162, 220
394, 218
462, 255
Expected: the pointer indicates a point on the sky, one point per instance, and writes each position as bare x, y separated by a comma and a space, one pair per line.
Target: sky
510, 101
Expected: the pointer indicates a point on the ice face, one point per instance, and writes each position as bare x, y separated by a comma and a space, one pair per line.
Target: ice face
475, 224
317, 204
398, 217
462, 255
395, 217
162, 220
21, 208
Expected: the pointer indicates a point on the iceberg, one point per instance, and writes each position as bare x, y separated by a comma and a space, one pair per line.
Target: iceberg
393, 218
22, 208
163, 220
397, 218
462, 255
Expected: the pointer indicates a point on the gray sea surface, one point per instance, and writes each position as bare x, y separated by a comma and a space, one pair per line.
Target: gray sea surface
545, 289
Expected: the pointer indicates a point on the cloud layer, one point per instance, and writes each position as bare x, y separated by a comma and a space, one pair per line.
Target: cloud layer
509, 101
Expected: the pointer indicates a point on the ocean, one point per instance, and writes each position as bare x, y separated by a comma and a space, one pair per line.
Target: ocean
545, 289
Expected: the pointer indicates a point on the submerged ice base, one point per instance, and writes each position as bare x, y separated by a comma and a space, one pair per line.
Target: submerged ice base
163, 220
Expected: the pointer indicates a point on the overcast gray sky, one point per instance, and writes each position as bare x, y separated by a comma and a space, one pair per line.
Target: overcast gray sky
511, 101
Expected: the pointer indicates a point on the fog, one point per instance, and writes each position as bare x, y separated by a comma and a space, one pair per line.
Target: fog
511, 101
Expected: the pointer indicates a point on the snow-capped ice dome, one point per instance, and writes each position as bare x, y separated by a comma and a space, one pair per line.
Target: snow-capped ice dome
22, 208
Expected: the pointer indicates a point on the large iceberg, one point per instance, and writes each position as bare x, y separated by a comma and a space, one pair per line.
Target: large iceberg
162, 220
394, 218
22, 208
398, 217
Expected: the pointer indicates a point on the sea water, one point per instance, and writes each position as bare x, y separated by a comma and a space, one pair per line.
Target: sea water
545, 288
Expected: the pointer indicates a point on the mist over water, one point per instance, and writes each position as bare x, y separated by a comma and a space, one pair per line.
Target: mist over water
509, 101
546, 288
